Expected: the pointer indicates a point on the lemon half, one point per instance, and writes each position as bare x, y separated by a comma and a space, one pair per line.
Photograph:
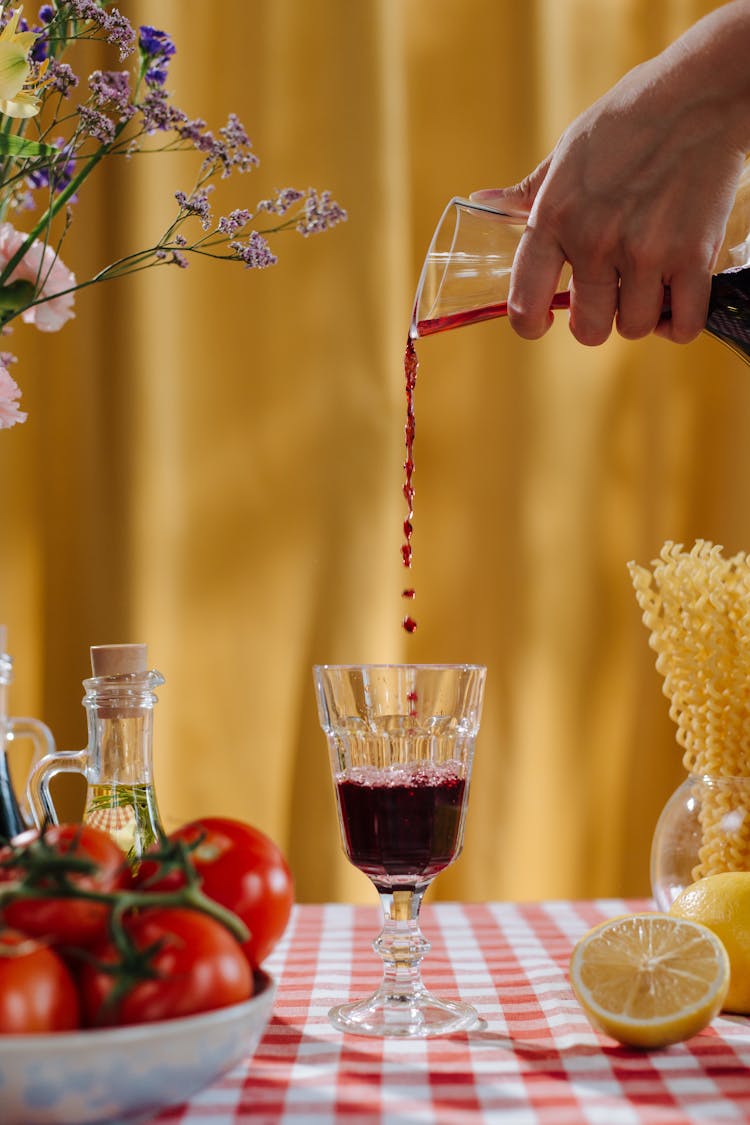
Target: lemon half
648, 980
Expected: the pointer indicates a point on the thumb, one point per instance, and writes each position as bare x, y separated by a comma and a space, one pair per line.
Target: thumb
518, 197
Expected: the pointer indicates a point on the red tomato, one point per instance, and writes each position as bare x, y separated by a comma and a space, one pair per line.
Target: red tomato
68, 921
199, 966
241, 868
37, 992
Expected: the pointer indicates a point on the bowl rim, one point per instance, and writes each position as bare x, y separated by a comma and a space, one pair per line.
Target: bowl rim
77, 1038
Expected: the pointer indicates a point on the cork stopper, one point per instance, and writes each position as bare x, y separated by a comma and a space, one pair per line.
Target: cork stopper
118, 660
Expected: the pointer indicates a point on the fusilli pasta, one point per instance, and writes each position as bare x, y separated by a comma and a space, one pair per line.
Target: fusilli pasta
696, 606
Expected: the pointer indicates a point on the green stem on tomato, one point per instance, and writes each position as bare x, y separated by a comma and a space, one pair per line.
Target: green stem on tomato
190, 897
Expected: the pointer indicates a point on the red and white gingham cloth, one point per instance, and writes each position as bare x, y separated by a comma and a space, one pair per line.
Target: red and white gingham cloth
537, 1062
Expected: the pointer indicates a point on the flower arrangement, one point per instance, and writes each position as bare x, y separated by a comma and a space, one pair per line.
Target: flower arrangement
54, 132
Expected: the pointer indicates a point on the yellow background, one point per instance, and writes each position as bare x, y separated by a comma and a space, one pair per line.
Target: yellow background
212, 461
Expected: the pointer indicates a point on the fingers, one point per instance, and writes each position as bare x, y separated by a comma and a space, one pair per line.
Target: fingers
517, 197
640, 305
689, 297
534, 280
593, 306
614, 282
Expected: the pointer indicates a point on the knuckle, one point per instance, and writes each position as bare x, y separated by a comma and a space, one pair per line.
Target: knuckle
526, 323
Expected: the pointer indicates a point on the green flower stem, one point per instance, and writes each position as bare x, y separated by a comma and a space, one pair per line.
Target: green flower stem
56, 204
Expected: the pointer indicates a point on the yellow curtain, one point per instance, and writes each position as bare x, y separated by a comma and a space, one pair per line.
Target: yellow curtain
212, 461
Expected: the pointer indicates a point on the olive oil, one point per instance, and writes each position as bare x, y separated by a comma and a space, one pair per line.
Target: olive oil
129, 814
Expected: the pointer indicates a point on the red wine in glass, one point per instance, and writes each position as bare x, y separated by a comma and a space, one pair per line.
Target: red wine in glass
401, 745
402, 825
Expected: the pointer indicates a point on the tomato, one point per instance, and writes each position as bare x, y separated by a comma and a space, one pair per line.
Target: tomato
67, 921
198, 965
241, 868
37, 991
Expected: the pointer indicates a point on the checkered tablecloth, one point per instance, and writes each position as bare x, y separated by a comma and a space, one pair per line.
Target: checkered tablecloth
537, 1061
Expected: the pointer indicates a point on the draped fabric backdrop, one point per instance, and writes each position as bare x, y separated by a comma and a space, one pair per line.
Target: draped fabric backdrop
213, 457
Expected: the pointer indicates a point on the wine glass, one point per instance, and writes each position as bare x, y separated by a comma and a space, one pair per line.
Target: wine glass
401, 740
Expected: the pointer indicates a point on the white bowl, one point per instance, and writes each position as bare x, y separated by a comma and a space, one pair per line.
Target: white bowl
123, 1073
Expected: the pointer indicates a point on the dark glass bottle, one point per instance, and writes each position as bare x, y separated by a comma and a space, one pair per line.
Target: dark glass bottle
729, 310
14, 815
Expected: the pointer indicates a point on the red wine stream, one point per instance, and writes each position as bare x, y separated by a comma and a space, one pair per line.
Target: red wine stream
411, 363
728, 320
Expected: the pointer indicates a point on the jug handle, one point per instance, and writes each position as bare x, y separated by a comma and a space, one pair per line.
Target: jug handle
40, 736
37, 790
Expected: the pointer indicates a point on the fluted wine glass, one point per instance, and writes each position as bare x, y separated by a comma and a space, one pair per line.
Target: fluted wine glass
401, 740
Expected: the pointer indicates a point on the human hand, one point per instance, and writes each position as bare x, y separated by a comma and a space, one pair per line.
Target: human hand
637, 192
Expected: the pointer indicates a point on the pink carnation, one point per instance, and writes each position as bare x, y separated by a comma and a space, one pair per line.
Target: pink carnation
9, 396
40, 265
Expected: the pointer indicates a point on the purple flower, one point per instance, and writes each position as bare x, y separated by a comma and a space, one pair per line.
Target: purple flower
112, 87
282, 202
255, 253
192, 131
320, 213
47, 13
231, 151
173, 257
38, 52
155, 44
158, 114
57, 173
116, 29
196, 204
61, 77
234, 221
156, 47
98, 126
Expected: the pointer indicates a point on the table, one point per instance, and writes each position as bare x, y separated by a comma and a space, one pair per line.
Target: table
537, 1061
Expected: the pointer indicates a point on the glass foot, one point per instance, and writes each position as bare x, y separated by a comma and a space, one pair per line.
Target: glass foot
399, 1016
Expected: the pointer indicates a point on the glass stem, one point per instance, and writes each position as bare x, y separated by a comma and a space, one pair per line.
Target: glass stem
401, 943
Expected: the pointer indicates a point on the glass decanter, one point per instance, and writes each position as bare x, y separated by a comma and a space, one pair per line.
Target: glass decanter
15, 815
117, 762
465, 276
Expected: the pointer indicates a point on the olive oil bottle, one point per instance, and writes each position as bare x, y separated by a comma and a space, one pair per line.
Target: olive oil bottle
117, 762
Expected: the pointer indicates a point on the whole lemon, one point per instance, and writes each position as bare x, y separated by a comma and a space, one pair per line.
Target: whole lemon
722, 903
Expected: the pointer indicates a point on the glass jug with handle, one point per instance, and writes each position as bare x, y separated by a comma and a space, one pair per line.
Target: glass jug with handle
117, 762
15, 814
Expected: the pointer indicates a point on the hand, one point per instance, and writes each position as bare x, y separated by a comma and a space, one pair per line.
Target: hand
637, 192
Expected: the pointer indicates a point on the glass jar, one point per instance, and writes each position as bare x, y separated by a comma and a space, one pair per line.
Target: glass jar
704, 829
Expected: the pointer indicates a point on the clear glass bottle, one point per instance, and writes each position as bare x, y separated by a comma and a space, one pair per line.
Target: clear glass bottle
117, 762
15, 815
